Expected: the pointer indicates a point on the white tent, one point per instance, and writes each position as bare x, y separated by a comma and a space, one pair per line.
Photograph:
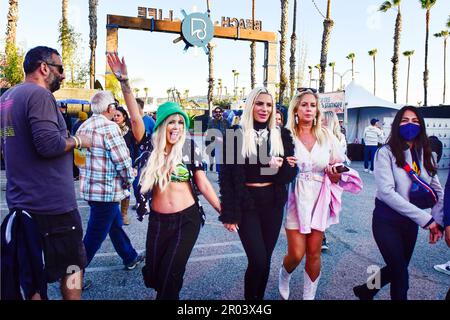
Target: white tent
362, 106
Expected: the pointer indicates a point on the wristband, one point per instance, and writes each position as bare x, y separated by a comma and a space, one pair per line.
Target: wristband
76, 142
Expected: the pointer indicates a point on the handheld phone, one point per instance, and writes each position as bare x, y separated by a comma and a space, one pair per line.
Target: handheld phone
342, 168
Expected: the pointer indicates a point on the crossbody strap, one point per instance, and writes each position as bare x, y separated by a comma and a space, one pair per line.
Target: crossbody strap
415, 178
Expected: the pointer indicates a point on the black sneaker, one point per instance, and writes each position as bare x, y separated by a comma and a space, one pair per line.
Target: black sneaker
140, 257
325, 246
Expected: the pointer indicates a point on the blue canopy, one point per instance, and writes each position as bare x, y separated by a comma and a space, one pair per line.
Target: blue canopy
74, 101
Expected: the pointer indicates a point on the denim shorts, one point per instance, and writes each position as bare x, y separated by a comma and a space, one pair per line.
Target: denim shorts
62, 243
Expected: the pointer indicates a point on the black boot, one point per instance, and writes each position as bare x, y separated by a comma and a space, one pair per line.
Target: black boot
362, 292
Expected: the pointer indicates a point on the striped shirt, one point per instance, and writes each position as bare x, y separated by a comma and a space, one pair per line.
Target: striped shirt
108, 173
373, 136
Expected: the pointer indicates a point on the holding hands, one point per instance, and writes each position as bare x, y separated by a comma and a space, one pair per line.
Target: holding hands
232, 227
435, 233
276, 162
292, 161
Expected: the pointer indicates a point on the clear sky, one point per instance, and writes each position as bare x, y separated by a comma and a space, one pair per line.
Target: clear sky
157, 63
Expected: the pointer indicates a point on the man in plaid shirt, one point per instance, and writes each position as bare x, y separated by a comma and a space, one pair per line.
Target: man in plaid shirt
105, 180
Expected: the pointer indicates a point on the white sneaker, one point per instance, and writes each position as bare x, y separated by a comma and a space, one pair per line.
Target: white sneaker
371, 172
284, 278
366, 170
444, 268
309, 287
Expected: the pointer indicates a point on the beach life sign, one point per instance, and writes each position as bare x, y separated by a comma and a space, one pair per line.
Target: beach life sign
226, 22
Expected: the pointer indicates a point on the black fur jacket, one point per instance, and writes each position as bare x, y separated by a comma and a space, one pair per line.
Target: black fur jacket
235, 197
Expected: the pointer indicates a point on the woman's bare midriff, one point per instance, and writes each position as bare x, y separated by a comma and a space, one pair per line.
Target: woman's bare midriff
259, 184
177, 197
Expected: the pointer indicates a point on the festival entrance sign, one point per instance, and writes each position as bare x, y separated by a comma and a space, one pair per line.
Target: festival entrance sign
196, 29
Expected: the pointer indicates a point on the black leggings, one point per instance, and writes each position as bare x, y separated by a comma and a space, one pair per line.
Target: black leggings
396, 241
170, 239
259, 230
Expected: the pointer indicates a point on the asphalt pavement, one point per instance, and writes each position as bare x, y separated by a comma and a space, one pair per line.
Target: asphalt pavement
216, 268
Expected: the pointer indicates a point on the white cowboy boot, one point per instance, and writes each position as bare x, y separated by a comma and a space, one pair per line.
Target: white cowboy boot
283, 282
309, 287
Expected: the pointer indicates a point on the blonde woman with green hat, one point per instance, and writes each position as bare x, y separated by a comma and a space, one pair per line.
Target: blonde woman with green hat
172, 171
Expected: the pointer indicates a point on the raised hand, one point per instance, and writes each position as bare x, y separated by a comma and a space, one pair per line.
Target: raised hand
118, 67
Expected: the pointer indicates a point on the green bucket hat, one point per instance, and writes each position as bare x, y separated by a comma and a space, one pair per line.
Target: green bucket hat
166, 110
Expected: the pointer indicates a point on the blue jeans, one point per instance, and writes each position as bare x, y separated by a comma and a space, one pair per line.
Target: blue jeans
106, 218
369, 153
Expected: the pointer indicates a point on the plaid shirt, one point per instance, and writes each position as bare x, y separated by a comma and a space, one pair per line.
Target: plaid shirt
107, 174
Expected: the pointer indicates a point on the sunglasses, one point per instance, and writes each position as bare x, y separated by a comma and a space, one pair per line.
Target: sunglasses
59, 66
307, 89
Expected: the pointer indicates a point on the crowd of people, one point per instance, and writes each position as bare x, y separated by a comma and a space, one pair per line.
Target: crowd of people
272, 173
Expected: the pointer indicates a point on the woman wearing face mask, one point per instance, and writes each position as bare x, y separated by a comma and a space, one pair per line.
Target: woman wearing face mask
399, 206
253, 186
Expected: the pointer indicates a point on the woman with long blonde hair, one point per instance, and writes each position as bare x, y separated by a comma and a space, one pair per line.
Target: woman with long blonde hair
316, 151
172, 172
253, 185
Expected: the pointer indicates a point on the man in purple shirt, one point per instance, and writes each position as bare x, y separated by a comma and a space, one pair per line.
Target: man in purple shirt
40, 190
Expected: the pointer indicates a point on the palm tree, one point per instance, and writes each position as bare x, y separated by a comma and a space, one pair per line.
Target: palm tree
332, 65
219, 88
92, 39
327, 26
136, 91
13, 17
168, 91
65, 26
210, 67
310, 70
373, 54
351, 56
398, 28
427, 5
408, 54
235, 82
253, 51
284, 30
317, 66
146, 94
444, 34
293, 47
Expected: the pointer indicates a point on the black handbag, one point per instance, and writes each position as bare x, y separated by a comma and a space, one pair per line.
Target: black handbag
421, 194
